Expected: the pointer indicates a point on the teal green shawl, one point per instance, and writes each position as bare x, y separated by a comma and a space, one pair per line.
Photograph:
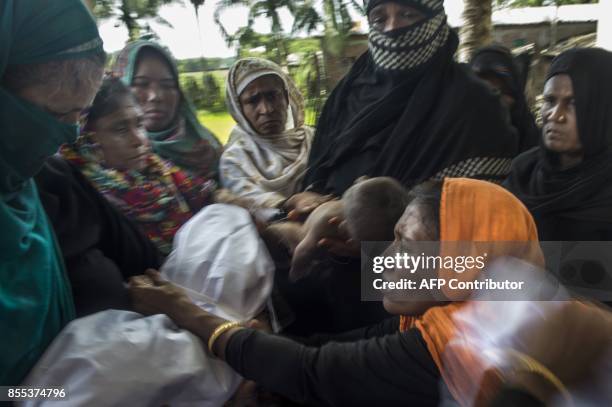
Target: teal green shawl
187, 144
35, 295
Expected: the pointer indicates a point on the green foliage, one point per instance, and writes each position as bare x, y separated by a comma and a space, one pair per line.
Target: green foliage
134, 14
246, 35
336, 21
205, 90
252, 44
310, 81
211, 93
193, 92
278, 45
204, 64
306, 17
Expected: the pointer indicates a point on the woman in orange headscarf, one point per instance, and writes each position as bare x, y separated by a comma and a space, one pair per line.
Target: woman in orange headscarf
398, 362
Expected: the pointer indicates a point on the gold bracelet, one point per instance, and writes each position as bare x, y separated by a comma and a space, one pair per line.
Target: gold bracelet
529, 364
220, 330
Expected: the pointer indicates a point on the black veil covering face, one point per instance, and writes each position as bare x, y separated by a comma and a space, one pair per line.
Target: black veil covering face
579, 197
408, 111
497, 60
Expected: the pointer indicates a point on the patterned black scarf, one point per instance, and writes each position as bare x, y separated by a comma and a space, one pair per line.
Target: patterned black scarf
430, 121
410, 47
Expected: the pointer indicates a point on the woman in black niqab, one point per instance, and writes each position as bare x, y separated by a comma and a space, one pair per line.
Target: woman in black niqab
495, 62
407, 110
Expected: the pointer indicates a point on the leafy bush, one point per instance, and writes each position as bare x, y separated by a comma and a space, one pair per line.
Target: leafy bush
205, 94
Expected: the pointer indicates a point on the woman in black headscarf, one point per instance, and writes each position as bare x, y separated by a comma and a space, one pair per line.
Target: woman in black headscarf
566, 183
407, 110
495, 65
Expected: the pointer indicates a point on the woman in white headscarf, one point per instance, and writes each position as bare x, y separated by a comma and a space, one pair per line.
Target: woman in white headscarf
266, 157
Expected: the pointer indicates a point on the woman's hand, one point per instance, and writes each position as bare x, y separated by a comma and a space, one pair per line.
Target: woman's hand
151, 294
299, 206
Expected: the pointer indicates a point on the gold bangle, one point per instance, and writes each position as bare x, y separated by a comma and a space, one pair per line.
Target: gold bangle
529, 364
220, 330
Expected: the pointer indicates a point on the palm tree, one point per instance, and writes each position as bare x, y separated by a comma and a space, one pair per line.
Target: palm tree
132, 13
477, 27
196, 7
258, 8
337, 25
336, 20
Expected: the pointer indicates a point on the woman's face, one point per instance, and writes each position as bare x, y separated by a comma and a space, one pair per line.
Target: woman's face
560, 130
391, 16
63, 103
264, 103
410, 228
157, 92
122, 138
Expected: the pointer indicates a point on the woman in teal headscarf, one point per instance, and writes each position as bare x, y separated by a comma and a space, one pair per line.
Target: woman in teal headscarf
51, 62
170, 120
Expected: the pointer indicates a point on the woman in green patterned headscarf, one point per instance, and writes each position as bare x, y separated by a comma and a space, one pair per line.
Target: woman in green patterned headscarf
172, 126
51, 63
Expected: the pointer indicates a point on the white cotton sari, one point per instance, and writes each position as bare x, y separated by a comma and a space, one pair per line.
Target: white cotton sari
266, 169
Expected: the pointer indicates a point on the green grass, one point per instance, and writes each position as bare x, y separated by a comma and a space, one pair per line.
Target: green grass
220, 124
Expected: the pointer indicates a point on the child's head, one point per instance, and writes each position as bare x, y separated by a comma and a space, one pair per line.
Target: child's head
116, 123
372, 208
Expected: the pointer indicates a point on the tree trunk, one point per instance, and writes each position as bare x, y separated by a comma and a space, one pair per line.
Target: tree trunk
330, 23
130, 23
477, 27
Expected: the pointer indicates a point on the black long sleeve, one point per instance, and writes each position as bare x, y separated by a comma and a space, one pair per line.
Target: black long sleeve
390, 370
100, 246
386, 327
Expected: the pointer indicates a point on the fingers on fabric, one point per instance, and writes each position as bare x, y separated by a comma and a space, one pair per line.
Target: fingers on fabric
141, 280
156, 277
139, 298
